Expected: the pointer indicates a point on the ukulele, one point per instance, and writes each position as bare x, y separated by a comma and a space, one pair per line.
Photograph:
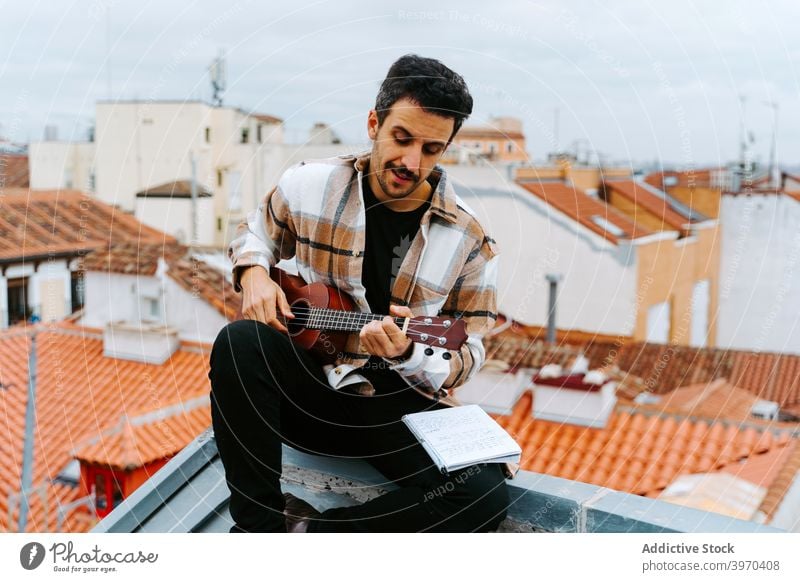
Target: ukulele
325, 316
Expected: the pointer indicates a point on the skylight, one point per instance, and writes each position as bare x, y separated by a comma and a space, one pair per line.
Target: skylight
607, 226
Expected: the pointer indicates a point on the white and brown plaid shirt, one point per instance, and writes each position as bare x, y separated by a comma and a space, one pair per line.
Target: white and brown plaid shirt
316, 215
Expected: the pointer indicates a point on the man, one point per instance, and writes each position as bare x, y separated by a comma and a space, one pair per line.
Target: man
388, 229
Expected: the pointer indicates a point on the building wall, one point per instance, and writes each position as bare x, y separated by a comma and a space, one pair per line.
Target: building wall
194, 319
706, 201
597, 292
174, 217
141, 145
760, 273
636, 212
61, 164
116, 297
668, 270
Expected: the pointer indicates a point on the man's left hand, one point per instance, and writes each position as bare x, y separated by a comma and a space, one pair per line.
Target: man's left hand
383, 338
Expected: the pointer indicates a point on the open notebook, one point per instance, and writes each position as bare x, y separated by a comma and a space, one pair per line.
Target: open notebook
461, 436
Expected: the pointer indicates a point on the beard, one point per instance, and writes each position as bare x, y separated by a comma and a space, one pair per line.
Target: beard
386, 175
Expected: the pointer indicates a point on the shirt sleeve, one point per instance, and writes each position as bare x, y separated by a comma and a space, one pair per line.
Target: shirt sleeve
267, 234
473, 299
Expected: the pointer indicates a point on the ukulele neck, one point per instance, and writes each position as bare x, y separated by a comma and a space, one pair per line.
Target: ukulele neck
337, 320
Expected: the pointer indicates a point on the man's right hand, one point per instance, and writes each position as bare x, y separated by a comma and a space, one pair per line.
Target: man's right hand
263, 298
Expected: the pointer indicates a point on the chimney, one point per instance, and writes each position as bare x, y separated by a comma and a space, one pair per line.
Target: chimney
140, 342
584, 399
553, 279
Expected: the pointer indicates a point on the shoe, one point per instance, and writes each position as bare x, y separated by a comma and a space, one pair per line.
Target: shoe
298, 514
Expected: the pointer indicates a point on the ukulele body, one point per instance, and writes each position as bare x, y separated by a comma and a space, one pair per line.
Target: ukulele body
324, 345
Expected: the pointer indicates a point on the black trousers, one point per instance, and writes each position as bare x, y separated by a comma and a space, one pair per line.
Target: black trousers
265, 391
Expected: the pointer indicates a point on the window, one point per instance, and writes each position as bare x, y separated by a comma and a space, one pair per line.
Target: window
108, 489
78, 287
258, 133
245, 135
219, 177
219, 224
17, 307
509, 147
208, 135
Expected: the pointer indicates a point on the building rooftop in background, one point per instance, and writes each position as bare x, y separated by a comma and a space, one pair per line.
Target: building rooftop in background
14, 171
669, 212
42, 224
664, 367
80, 395
176, 189
588, 211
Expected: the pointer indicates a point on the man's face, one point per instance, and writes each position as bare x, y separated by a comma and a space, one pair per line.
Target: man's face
406, 146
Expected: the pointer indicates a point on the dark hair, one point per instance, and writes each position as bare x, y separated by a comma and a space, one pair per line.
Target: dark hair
428, 83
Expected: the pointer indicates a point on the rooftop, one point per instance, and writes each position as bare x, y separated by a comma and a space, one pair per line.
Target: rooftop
584, 209
14, 171
41, 224
80, 394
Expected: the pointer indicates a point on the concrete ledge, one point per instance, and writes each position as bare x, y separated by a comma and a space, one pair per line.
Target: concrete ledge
189, 494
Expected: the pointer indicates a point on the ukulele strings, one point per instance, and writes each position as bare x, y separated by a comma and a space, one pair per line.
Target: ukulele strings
348, 316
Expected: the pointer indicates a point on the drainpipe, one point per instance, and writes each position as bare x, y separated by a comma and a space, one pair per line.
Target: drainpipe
26, 481
193, 163
553, 279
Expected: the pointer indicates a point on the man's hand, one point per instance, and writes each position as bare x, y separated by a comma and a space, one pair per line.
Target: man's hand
262, 298
383, 338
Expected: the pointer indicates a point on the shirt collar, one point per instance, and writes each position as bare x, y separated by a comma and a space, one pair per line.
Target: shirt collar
443, 198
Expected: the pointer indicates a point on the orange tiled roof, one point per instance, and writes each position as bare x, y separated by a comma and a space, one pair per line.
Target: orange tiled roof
135, 441
132, 258
716, 399
769, 376
649, 202
636, 452
79, 393
46, 223
664, 367
175, 189
582, 208
14, 171
697, 177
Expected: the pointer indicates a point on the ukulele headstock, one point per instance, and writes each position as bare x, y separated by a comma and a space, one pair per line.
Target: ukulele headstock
444, 332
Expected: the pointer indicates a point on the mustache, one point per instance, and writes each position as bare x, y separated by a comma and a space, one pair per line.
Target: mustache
403, 171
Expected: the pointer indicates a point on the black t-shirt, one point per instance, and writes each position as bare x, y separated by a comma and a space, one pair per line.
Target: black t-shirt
388, 237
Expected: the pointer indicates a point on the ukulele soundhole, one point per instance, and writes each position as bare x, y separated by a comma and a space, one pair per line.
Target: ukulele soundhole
301, 310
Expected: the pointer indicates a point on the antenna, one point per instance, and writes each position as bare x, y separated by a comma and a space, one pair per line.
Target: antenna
774, 146
218, 81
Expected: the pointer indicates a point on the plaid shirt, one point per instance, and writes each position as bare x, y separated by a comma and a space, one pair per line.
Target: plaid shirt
316, 214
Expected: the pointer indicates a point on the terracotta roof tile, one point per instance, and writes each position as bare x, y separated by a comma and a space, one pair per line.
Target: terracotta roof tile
583, 209
14, 171
46, 223
636, 452
80, 392
136, 441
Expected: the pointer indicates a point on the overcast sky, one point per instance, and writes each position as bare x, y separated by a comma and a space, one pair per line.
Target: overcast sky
638, 81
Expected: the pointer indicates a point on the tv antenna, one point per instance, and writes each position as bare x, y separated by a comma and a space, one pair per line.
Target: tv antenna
218, 82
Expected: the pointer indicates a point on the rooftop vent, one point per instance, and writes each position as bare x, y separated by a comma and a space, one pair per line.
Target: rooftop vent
581, 399
148, 343
494, 389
